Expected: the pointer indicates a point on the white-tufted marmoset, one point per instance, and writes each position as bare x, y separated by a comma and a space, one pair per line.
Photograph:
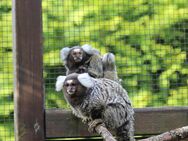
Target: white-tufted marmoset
99, 99
86, 59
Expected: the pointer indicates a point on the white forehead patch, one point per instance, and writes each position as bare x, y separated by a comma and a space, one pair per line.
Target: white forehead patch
76, 50
69, 81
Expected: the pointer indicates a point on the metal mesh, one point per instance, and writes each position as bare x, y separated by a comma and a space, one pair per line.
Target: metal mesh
6, 72
148, 38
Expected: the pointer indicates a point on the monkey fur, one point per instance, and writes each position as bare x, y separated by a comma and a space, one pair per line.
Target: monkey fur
109, 67
82, 59
93, 99
86, 59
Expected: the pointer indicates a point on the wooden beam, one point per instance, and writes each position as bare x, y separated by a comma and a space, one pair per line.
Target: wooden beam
159, 120
61, 123
28, 94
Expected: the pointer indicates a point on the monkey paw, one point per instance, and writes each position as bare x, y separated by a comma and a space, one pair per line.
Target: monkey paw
86, 120
92, 124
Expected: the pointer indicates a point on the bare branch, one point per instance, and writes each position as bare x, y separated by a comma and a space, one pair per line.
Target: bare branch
106, 135
176, 134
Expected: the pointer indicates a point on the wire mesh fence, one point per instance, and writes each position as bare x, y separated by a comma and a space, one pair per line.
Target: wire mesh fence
148, 38
6, 73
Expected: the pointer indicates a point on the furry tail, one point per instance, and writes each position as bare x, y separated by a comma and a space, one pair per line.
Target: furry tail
109, 67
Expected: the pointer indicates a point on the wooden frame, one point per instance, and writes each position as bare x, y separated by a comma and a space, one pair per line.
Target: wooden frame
28, 94
30, 123
148, 121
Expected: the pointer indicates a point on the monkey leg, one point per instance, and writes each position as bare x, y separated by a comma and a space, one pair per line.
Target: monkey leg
122, 135
92, 124
126, 132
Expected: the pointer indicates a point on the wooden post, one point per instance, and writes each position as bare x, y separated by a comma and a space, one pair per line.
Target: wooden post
28, 94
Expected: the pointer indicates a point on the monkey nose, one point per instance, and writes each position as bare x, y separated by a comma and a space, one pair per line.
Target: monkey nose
78, 59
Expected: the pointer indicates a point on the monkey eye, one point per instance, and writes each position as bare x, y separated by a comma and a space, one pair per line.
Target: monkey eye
66, 85
74, 53
73, 84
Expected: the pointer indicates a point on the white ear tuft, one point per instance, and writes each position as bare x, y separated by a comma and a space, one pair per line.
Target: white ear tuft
89, 50
64, 53
59, 83
86, 80
108, 58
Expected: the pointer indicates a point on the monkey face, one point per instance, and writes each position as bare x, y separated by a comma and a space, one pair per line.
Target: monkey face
74, 84
77, 54
70, 87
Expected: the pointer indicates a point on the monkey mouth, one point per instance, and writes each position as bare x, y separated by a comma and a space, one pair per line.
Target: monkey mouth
77, 59
70, 93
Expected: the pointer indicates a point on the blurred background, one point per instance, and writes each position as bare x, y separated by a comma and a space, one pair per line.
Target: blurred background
148, 37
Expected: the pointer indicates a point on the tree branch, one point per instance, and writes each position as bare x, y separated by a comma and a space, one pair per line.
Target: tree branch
100, 128
176, 134
106, 135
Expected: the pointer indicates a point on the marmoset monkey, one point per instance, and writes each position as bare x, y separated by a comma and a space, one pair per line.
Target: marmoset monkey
82, 59
101, 100
86, 59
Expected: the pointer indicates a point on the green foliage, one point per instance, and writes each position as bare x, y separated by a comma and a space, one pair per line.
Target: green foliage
6, 73
149, 39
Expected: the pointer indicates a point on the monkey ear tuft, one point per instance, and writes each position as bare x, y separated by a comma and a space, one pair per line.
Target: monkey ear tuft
89, 50
59, 83
108, 58
64, 53
86, 80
